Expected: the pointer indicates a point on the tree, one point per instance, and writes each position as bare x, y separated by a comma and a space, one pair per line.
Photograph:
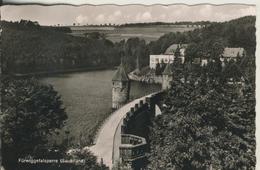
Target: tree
95, 35
177, 52
192, 51
89, 162
134, 47
157, 69
204, 125
31, 112
162, 66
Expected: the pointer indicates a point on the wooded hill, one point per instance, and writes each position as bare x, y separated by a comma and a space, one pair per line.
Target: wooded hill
28, 47
235, 33
208, 121
32, 48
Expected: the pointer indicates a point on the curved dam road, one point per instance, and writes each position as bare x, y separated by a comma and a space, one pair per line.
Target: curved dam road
108, 132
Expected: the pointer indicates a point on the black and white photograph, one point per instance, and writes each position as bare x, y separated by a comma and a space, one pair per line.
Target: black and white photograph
127, 87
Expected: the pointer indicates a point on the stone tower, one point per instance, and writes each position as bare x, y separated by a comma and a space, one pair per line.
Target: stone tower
167, 77
120, 87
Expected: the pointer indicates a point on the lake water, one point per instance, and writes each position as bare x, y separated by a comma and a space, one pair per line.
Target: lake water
87, 97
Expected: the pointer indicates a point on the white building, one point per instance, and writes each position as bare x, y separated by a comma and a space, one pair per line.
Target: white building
228, 54
232, 53
154, 59
168, 56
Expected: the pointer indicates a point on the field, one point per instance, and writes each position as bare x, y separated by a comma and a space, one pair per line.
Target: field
116, 34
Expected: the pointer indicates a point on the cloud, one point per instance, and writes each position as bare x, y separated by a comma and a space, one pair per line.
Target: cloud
223, 15
143, 17
82, 19
115, 16
162, 17
100, 18
117, 13
248, 11
206, 11
146, 16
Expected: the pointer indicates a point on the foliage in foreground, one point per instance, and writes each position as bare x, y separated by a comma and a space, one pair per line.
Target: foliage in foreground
31, 114
205, 125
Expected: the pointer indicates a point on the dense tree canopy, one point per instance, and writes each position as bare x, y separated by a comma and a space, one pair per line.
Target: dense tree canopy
33, 49
206, 124
30, 112
209, 42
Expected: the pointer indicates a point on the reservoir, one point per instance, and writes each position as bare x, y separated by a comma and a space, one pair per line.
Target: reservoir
87, 98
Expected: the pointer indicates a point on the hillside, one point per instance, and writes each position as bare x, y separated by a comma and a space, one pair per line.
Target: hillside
208, 121
32, 48
235, 33
29, 47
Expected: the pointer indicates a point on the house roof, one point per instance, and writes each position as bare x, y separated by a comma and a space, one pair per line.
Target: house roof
167, 70
171, 49
233, 52
120, 74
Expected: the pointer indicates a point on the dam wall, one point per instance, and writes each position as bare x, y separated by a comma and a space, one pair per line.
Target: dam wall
130, 152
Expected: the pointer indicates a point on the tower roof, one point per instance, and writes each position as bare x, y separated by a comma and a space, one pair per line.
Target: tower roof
120, 74
167, 70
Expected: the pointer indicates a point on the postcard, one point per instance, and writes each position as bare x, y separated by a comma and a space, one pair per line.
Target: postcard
128, 86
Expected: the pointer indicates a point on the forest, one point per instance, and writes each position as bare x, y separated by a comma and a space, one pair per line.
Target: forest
29, 48
208, 114
208, 119
235, 33
32, 48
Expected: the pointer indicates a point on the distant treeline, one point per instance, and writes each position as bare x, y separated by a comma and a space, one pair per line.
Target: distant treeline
143, 24
166, 23
25, 24
28, 47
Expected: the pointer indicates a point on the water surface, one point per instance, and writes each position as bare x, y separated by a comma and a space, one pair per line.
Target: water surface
87, 97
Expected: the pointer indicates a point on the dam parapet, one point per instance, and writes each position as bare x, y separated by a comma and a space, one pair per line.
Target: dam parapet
134, 130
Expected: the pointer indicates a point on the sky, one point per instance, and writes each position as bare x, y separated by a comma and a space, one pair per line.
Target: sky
90, 14
148, 2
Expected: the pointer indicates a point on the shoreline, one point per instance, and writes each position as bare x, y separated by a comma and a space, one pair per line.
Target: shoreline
65, 71
145, 79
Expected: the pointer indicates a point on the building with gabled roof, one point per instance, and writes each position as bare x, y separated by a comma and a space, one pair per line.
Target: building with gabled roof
232, 53
168, 55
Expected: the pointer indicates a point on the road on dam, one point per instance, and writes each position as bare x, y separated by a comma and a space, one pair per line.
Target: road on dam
108, 132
